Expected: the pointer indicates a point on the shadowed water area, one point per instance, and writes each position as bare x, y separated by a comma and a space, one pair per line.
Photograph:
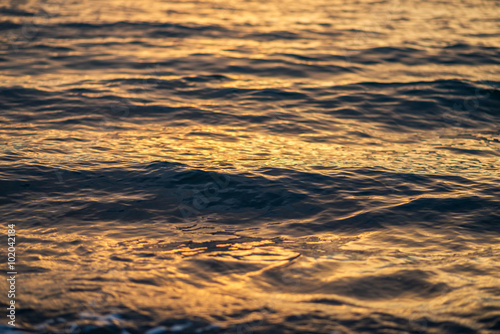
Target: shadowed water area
223, 166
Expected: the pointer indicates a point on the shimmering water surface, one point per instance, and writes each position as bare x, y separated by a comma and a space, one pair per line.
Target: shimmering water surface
259, 166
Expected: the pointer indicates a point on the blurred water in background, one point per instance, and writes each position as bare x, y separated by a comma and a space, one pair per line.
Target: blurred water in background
252, 166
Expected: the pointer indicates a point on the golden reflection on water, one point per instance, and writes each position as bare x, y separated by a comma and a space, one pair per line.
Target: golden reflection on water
238, 149
160, 270
259, 278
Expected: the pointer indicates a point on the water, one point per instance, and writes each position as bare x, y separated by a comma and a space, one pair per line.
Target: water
252, 166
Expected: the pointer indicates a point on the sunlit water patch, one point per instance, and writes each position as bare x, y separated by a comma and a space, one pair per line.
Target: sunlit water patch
252, 167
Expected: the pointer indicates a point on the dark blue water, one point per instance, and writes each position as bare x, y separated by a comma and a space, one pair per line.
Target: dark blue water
251, 166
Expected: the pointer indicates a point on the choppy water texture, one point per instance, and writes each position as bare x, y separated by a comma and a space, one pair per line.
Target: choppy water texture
252, 166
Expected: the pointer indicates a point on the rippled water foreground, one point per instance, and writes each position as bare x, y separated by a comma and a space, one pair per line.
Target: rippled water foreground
252, 166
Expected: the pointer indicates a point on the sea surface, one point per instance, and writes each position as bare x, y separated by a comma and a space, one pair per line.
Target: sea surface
259, 166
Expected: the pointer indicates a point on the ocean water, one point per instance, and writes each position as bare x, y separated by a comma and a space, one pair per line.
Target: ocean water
259, 166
